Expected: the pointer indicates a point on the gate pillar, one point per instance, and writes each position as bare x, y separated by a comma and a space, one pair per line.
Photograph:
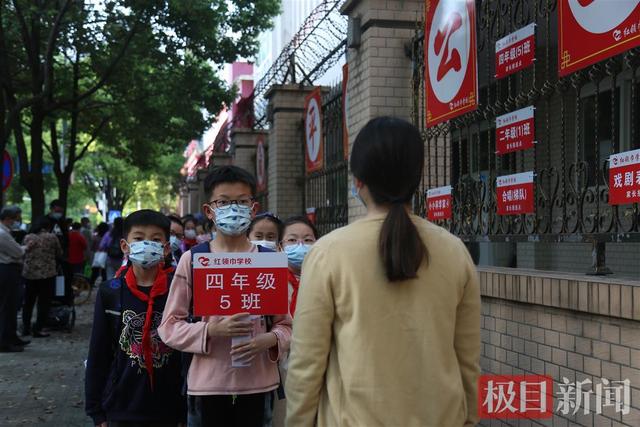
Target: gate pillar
379, 69
285, 174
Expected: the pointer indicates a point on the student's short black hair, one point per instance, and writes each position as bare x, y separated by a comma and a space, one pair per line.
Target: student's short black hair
267, 216
299, 219
189, 218
228, 174
76, 226
55, 204
176, 219
147, 217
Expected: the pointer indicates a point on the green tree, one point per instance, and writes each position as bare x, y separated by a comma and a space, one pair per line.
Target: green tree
139, 75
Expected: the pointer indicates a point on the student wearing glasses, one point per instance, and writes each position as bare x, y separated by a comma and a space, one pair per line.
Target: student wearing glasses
218, 393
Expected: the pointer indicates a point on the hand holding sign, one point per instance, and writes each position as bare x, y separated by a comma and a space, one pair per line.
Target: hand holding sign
233, 326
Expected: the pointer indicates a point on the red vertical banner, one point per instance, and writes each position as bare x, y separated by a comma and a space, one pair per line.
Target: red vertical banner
314, 154
439, 203
516, 51
515, 194
515, 131
451, 77
592, 30
261, 170
624, 178
345, 110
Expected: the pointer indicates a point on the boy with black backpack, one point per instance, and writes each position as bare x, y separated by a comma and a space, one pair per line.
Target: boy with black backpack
132, 377
218, 393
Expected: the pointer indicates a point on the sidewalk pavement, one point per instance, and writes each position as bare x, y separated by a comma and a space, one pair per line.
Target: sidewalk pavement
44, 385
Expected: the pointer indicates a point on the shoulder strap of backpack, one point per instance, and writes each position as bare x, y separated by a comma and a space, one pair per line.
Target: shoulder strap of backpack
111, 294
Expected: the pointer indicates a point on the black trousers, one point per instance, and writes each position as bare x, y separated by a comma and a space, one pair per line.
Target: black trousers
9, 288
243, 410
42, 291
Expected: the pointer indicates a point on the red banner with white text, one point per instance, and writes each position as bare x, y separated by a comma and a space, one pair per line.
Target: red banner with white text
451, 75
592, 30
516, 51
515, 194
439, 203
515, 131
624, 178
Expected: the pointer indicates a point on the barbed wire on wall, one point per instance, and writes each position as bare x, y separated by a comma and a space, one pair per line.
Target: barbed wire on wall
315, 48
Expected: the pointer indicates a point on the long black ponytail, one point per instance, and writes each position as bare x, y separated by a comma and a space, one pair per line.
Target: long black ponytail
388, 157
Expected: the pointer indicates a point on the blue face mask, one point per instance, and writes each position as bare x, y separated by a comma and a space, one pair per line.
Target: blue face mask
175, 243
356, 194
146, 254
296, 253
233, 220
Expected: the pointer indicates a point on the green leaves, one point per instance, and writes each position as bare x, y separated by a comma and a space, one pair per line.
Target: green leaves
139, 78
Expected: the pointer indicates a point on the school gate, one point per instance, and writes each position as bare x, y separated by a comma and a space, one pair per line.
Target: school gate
326, 190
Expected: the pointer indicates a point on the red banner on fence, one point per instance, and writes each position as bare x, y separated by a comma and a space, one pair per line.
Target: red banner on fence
439, 203
593, 30
515, 131
624, 178
515, 194
516, 51
230, 283
451, 77
314, 153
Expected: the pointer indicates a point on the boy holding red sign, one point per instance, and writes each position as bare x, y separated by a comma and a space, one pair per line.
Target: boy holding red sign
218, 392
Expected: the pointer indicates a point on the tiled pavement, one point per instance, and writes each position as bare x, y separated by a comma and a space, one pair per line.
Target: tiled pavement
44, 385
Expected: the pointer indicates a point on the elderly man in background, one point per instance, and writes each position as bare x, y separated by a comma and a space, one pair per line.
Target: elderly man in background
11, 254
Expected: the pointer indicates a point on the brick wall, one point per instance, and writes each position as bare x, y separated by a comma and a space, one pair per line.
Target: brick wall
562, 325
379, 71
285, 150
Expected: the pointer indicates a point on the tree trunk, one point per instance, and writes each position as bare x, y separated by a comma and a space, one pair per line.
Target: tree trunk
64, 181
35, 182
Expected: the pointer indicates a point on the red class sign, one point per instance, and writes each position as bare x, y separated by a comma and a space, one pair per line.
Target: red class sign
516, 51
593, 30
451, 78
515, 194
230, 283
439, 203
624, 178
515, 131
313, 131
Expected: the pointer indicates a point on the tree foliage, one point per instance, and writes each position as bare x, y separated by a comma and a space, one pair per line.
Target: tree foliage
140, 76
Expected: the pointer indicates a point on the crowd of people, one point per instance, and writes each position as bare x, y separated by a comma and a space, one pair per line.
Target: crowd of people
37, 264
383, 326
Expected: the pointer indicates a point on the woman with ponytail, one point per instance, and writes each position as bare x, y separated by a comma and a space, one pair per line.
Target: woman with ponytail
387, 326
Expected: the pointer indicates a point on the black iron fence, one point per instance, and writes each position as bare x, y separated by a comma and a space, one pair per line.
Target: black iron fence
326, 190
580, 121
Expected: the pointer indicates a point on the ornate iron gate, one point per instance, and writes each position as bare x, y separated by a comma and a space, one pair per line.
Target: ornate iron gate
580, 121
326, 190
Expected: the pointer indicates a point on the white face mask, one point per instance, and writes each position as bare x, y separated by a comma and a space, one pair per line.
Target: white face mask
190, 234
265, 243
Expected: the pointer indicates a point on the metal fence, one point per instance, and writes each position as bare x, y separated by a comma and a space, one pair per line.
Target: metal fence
580, 121
327, 190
